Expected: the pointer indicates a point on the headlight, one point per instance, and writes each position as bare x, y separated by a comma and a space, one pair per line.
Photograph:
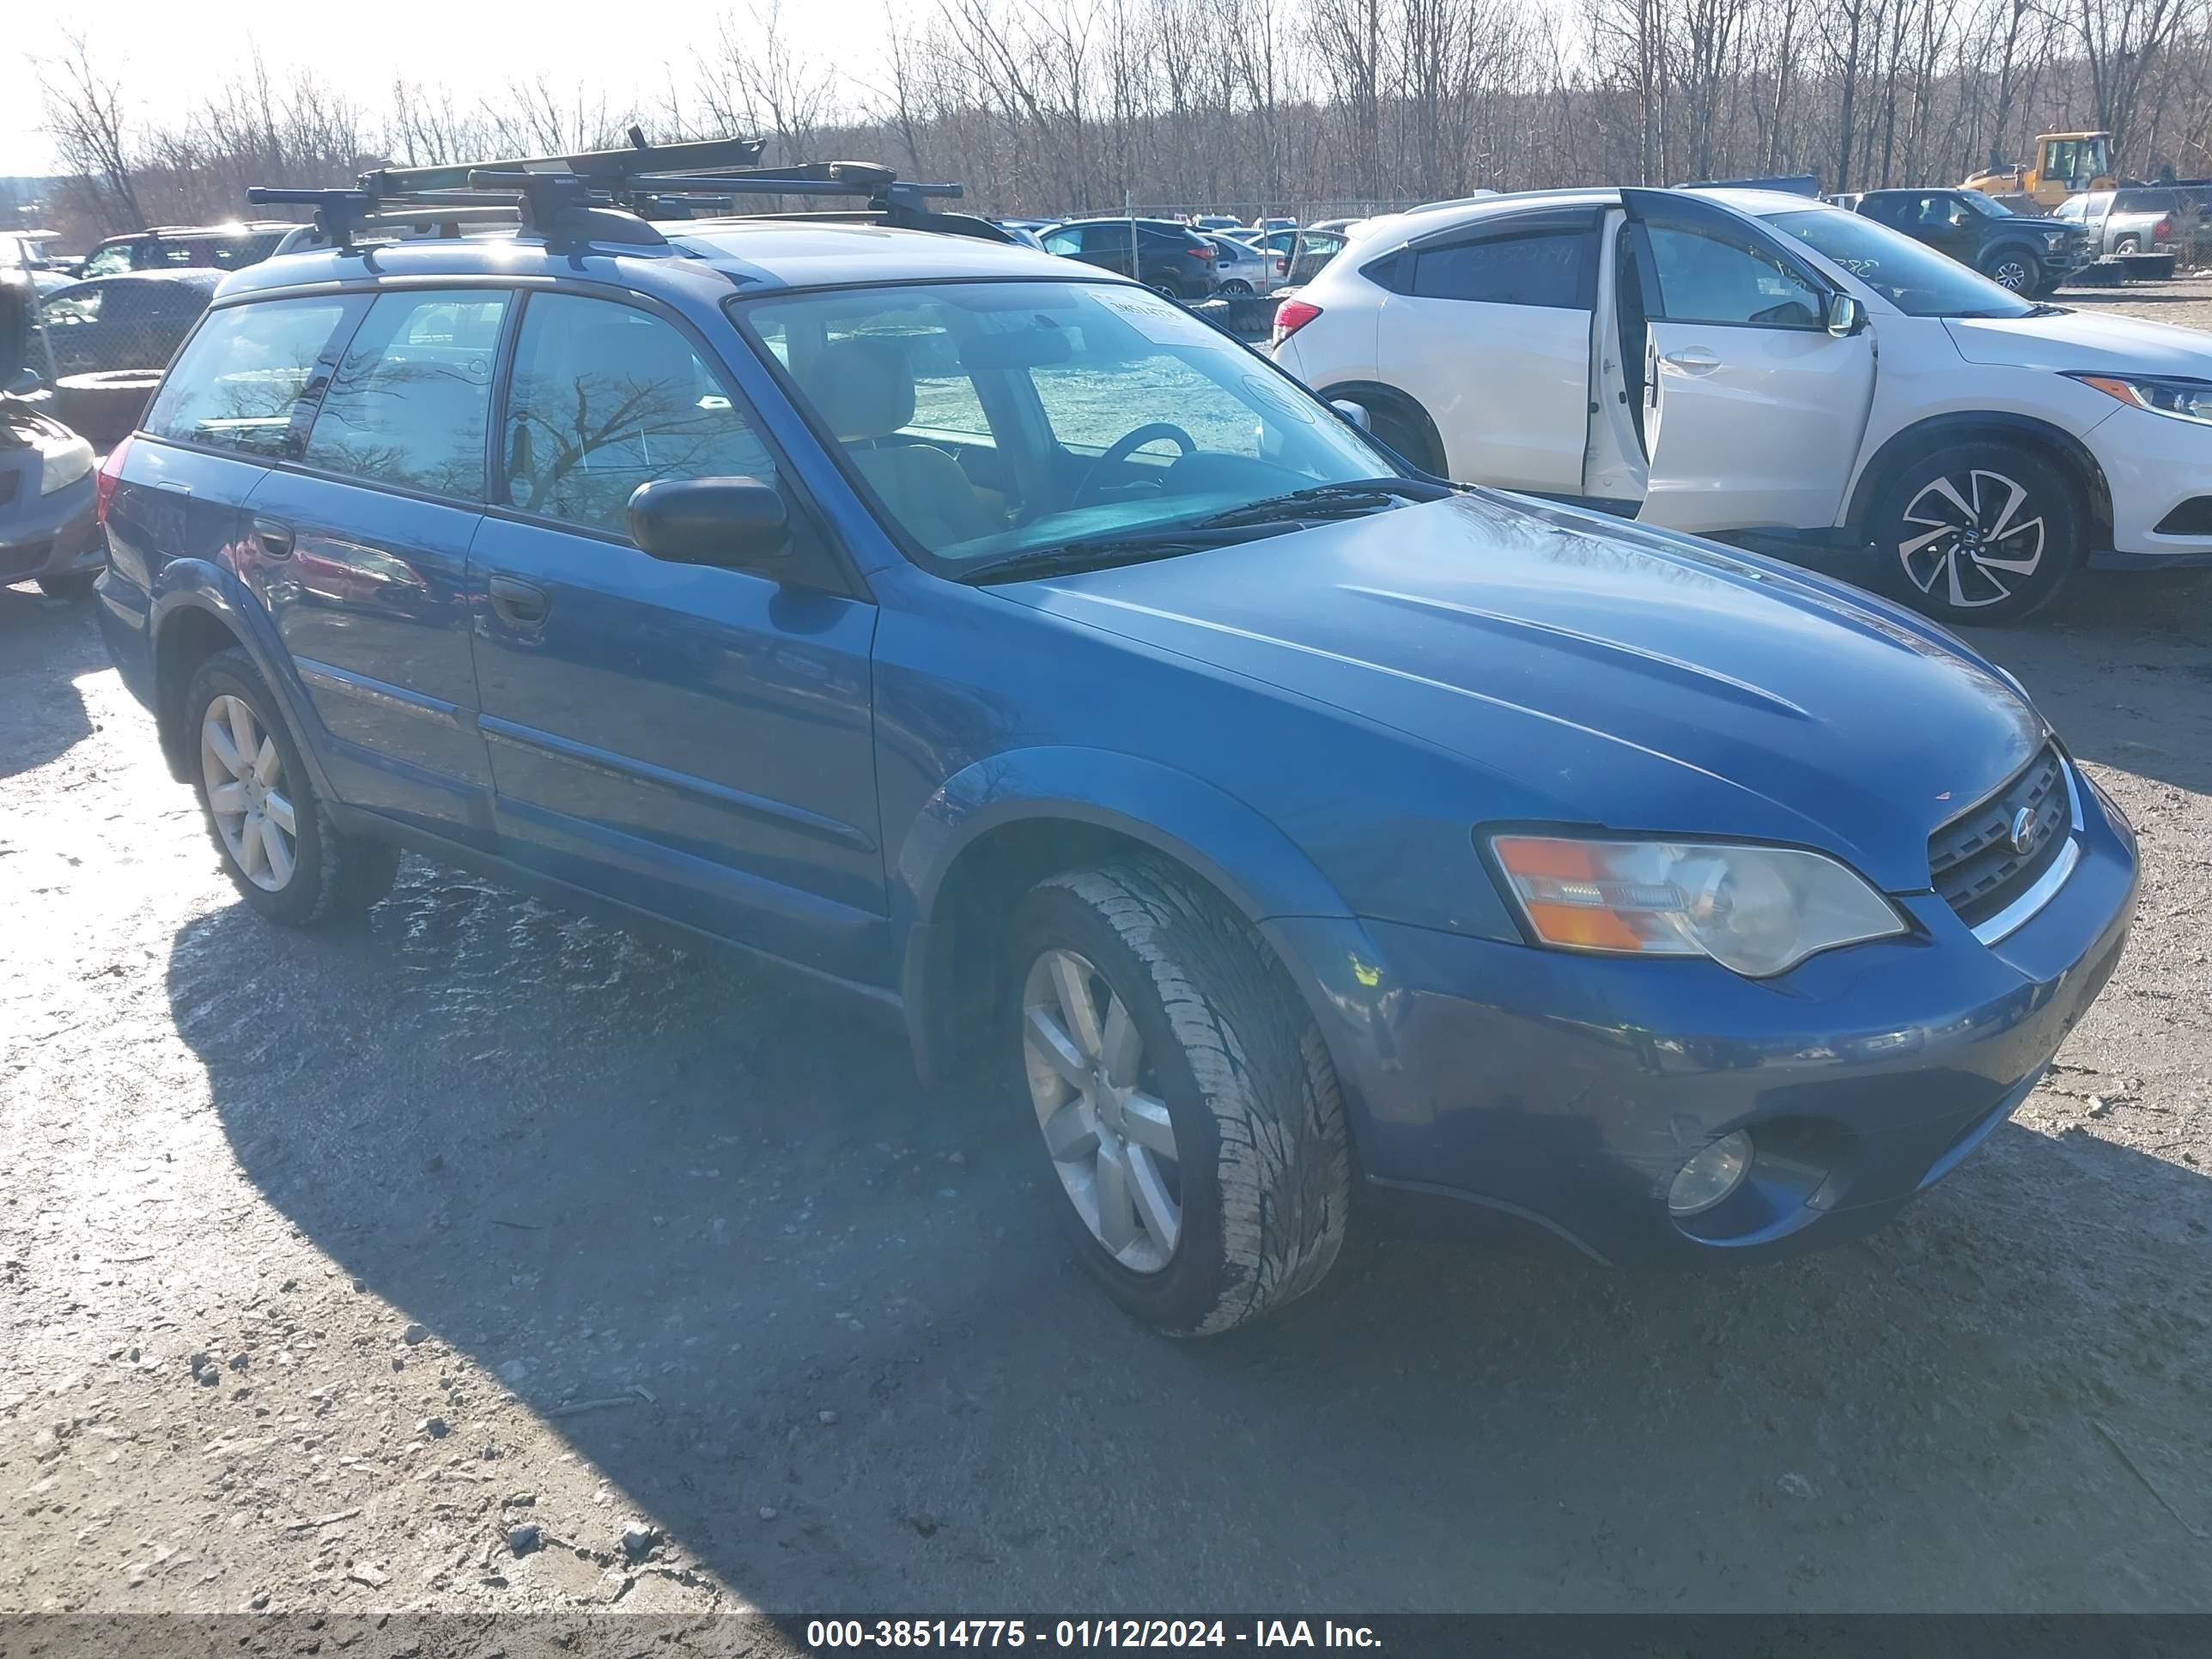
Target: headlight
2183, 399
2056, 237
64, 464
1758, 910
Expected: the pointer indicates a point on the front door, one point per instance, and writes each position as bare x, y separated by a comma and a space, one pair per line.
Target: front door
1753, 412
697, 742
1506, 303
367, 582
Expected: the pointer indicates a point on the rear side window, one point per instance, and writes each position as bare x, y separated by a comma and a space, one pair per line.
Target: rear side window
1555, 268
410, 402
606, 397
244, 377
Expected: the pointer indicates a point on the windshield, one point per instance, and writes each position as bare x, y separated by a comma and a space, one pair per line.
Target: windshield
1912, 276
1988, 206
992, 420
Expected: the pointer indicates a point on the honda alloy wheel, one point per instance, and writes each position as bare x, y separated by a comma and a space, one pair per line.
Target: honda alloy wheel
1981, 532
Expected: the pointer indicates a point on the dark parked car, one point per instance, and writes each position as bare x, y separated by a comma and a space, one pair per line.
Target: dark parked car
210, 247
1171, 257
124, 322
2026, 255
1003, 646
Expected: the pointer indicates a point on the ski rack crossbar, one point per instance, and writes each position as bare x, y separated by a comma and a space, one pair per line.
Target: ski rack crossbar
605, 196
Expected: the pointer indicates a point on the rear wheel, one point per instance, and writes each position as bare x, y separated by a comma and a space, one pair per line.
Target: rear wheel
1406, 430
1166, 285
1980, 532
1189, 1113
275, 839
2128, 244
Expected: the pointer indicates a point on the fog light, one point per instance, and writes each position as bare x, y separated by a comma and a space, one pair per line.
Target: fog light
1710, 1176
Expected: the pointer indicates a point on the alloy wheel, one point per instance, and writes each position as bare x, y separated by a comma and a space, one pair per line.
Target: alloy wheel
1111, 1137
1972, 545
245, 795
2013, 273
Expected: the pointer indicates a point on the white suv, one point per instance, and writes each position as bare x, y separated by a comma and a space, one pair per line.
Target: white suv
1791, 375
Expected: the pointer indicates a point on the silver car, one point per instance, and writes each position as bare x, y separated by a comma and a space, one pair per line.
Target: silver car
2141, 219
1244, 269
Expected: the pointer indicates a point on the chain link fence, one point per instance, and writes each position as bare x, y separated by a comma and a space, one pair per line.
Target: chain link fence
102, 344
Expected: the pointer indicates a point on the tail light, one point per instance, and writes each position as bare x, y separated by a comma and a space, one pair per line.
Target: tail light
1291, 316
110, 474
1204, 252
2162, 231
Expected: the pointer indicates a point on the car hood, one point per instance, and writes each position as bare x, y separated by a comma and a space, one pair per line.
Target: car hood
1599, 672
2083, 339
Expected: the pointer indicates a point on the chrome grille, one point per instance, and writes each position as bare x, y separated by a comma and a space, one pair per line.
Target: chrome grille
1971, 861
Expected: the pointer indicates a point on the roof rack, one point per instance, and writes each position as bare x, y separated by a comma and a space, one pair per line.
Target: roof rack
606, 196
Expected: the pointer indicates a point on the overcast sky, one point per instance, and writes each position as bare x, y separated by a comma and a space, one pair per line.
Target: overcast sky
163, 51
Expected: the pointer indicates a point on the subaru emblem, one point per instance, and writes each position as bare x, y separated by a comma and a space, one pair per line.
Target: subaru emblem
2023, 831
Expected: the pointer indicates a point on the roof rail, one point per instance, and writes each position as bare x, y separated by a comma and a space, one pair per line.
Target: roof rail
605, 196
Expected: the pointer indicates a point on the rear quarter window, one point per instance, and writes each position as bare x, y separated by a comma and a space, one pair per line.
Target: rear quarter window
242, 381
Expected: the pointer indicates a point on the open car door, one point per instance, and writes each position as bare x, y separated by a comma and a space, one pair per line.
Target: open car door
1756, 380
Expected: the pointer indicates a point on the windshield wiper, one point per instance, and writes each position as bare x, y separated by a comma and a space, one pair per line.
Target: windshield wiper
1097, 552
1321, 501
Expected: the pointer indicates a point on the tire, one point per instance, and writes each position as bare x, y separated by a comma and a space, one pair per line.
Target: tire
1228, 1064
2014, 269
1407, 432
329, 876
1236, 289
2128, 244
76, 585
1167, 286
106, 406
1979, 578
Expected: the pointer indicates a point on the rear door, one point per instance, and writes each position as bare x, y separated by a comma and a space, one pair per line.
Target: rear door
1754, 412
360, 547
697, 742
1488, 325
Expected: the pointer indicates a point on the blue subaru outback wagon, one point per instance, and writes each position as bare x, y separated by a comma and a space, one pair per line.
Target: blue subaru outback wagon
996, 640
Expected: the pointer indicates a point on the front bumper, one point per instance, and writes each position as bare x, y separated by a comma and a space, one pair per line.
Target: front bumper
49, 535
2152, 464
1569, 1089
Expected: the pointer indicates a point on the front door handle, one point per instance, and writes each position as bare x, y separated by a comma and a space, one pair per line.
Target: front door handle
1693, 360
521, 604
273, 538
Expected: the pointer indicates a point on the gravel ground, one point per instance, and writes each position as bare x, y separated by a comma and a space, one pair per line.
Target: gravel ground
328, 1262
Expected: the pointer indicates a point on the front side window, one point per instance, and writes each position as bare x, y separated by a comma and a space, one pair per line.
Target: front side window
108, 261
244, 377
1912, 276
1553, 268
1702, 279
606, 397
1103, 409
410, 400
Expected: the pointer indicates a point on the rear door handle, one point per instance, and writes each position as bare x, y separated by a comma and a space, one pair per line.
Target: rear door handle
522, 604
273, 538
1693, 360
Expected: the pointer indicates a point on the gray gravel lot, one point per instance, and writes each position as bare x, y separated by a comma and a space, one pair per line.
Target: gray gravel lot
327, 1261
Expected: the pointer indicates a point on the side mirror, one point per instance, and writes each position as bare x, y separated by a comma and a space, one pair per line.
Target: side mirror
1356, 413
735, 524
1846, 317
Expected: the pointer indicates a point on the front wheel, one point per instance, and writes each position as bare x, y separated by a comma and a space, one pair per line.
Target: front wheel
1980, 532
2012, 269
1236, 289
1189, 1111
276, 840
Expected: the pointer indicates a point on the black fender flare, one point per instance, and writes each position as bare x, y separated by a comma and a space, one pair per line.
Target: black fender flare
1996, 426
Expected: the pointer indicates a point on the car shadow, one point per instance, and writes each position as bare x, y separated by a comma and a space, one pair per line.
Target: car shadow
2122, 662
52, 719
819, 1321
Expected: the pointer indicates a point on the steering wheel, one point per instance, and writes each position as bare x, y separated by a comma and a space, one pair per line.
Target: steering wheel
1127, 445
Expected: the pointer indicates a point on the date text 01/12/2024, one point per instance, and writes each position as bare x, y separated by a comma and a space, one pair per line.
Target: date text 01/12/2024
928, 1634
